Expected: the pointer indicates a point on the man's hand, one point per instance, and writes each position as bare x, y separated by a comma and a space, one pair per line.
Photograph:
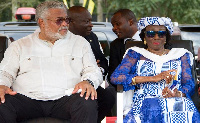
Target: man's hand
86, 87
5, 90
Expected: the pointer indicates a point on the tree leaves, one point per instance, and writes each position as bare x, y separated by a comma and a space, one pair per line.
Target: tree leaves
182, 11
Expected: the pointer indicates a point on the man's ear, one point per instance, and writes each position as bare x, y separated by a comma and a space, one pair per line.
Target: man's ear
41, 23
131, 22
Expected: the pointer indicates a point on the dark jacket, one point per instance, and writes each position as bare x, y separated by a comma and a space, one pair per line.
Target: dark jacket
117, 50
93, 40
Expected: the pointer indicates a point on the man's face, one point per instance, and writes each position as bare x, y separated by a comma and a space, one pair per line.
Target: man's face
121, 26
81, 24
56, 24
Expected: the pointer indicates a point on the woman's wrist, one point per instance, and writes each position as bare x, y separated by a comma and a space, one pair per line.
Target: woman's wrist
134, 81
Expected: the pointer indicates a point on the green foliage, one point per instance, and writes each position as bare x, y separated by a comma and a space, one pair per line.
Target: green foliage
182, 11
5, 10
6, 7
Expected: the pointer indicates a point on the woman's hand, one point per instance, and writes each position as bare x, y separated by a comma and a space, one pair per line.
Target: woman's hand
166, 93
164, 75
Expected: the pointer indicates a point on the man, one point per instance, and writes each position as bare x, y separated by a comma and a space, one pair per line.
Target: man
52, 72
125, 27
81, 25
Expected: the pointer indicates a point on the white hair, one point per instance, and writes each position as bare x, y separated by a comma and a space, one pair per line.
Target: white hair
42, 9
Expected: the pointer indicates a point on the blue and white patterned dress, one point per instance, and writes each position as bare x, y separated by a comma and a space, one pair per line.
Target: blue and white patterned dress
148, 105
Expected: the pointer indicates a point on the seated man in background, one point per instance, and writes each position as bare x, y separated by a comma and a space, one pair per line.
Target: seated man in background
81, 25
53, 73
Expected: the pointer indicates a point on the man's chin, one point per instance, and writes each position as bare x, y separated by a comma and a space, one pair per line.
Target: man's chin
120, 36
86, 33
59, 36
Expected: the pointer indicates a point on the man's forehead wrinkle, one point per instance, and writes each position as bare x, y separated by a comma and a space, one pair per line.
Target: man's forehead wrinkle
62, 17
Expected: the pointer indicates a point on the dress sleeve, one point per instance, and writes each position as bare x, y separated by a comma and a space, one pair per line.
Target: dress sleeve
187, 80
124, 73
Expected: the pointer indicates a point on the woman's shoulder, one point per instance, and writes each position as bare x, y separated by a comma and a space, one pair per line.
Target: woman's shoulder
176, 53
179, 52
133, 51
136, 50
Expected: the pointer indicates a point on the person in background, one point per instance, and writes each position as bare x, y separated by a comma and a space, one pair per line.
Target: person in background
160, 79
198, 61
52, 72
125, 27
81, 25
198, 72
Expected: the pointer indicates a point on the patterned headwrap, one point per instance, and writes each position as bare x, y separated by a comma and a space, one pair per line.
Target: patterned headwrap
146, 21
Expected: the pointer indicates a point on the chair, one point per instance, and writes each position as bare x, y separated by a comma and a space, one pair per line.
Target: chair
46, 120
3, 46
187, 44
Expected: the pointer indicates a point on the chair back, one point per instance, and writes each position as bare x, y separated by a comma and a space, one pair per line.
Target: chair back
3, 46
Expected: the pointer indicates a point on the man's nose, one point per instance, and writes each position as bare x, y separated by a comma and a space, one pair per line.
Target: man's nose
115, 27
64, 23
90, 24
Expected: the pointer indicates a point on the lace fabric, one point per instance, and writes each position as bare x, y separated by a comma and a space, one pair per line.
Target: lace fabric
124, 73
187, 81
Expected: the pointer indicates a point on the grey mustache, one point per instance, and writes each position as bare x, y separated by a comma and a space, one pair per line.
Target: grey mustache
63, 28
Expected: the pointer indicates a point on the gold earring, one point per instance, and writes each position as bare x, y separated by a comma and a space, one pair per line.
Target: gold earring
145, 42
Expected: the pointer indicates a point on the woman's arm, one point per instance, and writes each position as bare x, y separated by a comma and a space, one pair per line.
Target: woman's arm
187, 80
125, 71
164, 75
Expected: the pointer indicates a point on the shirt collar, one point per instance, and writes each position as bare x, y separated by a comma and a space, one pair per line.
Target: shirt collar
135, 37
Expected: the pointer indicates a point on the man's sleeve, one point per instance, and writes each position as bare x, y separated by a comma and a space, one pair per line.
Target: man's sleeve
103, 60
9, 65
90, 69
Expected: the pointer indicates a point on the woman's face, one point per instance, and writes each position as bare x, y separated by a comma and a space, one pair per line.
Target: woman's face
155, 37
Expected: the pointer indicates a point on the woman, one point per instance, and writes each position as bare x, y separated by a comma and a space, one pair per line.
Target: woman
161, 78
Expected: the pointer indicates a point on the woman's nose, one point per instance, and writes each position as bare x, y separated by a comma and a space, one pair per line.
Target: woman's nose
156, 36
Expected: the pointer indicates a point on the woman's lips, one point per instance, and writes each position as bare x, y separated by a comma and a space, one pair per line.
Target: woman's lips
156, 43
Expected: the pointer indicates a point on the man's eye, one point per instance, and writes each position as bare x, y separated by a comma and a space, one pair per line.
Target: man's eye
59, 20
87, 21
117, 24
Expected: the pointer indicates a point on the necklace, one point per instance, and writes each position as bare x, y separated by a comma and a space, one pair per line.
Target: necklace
164, 52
